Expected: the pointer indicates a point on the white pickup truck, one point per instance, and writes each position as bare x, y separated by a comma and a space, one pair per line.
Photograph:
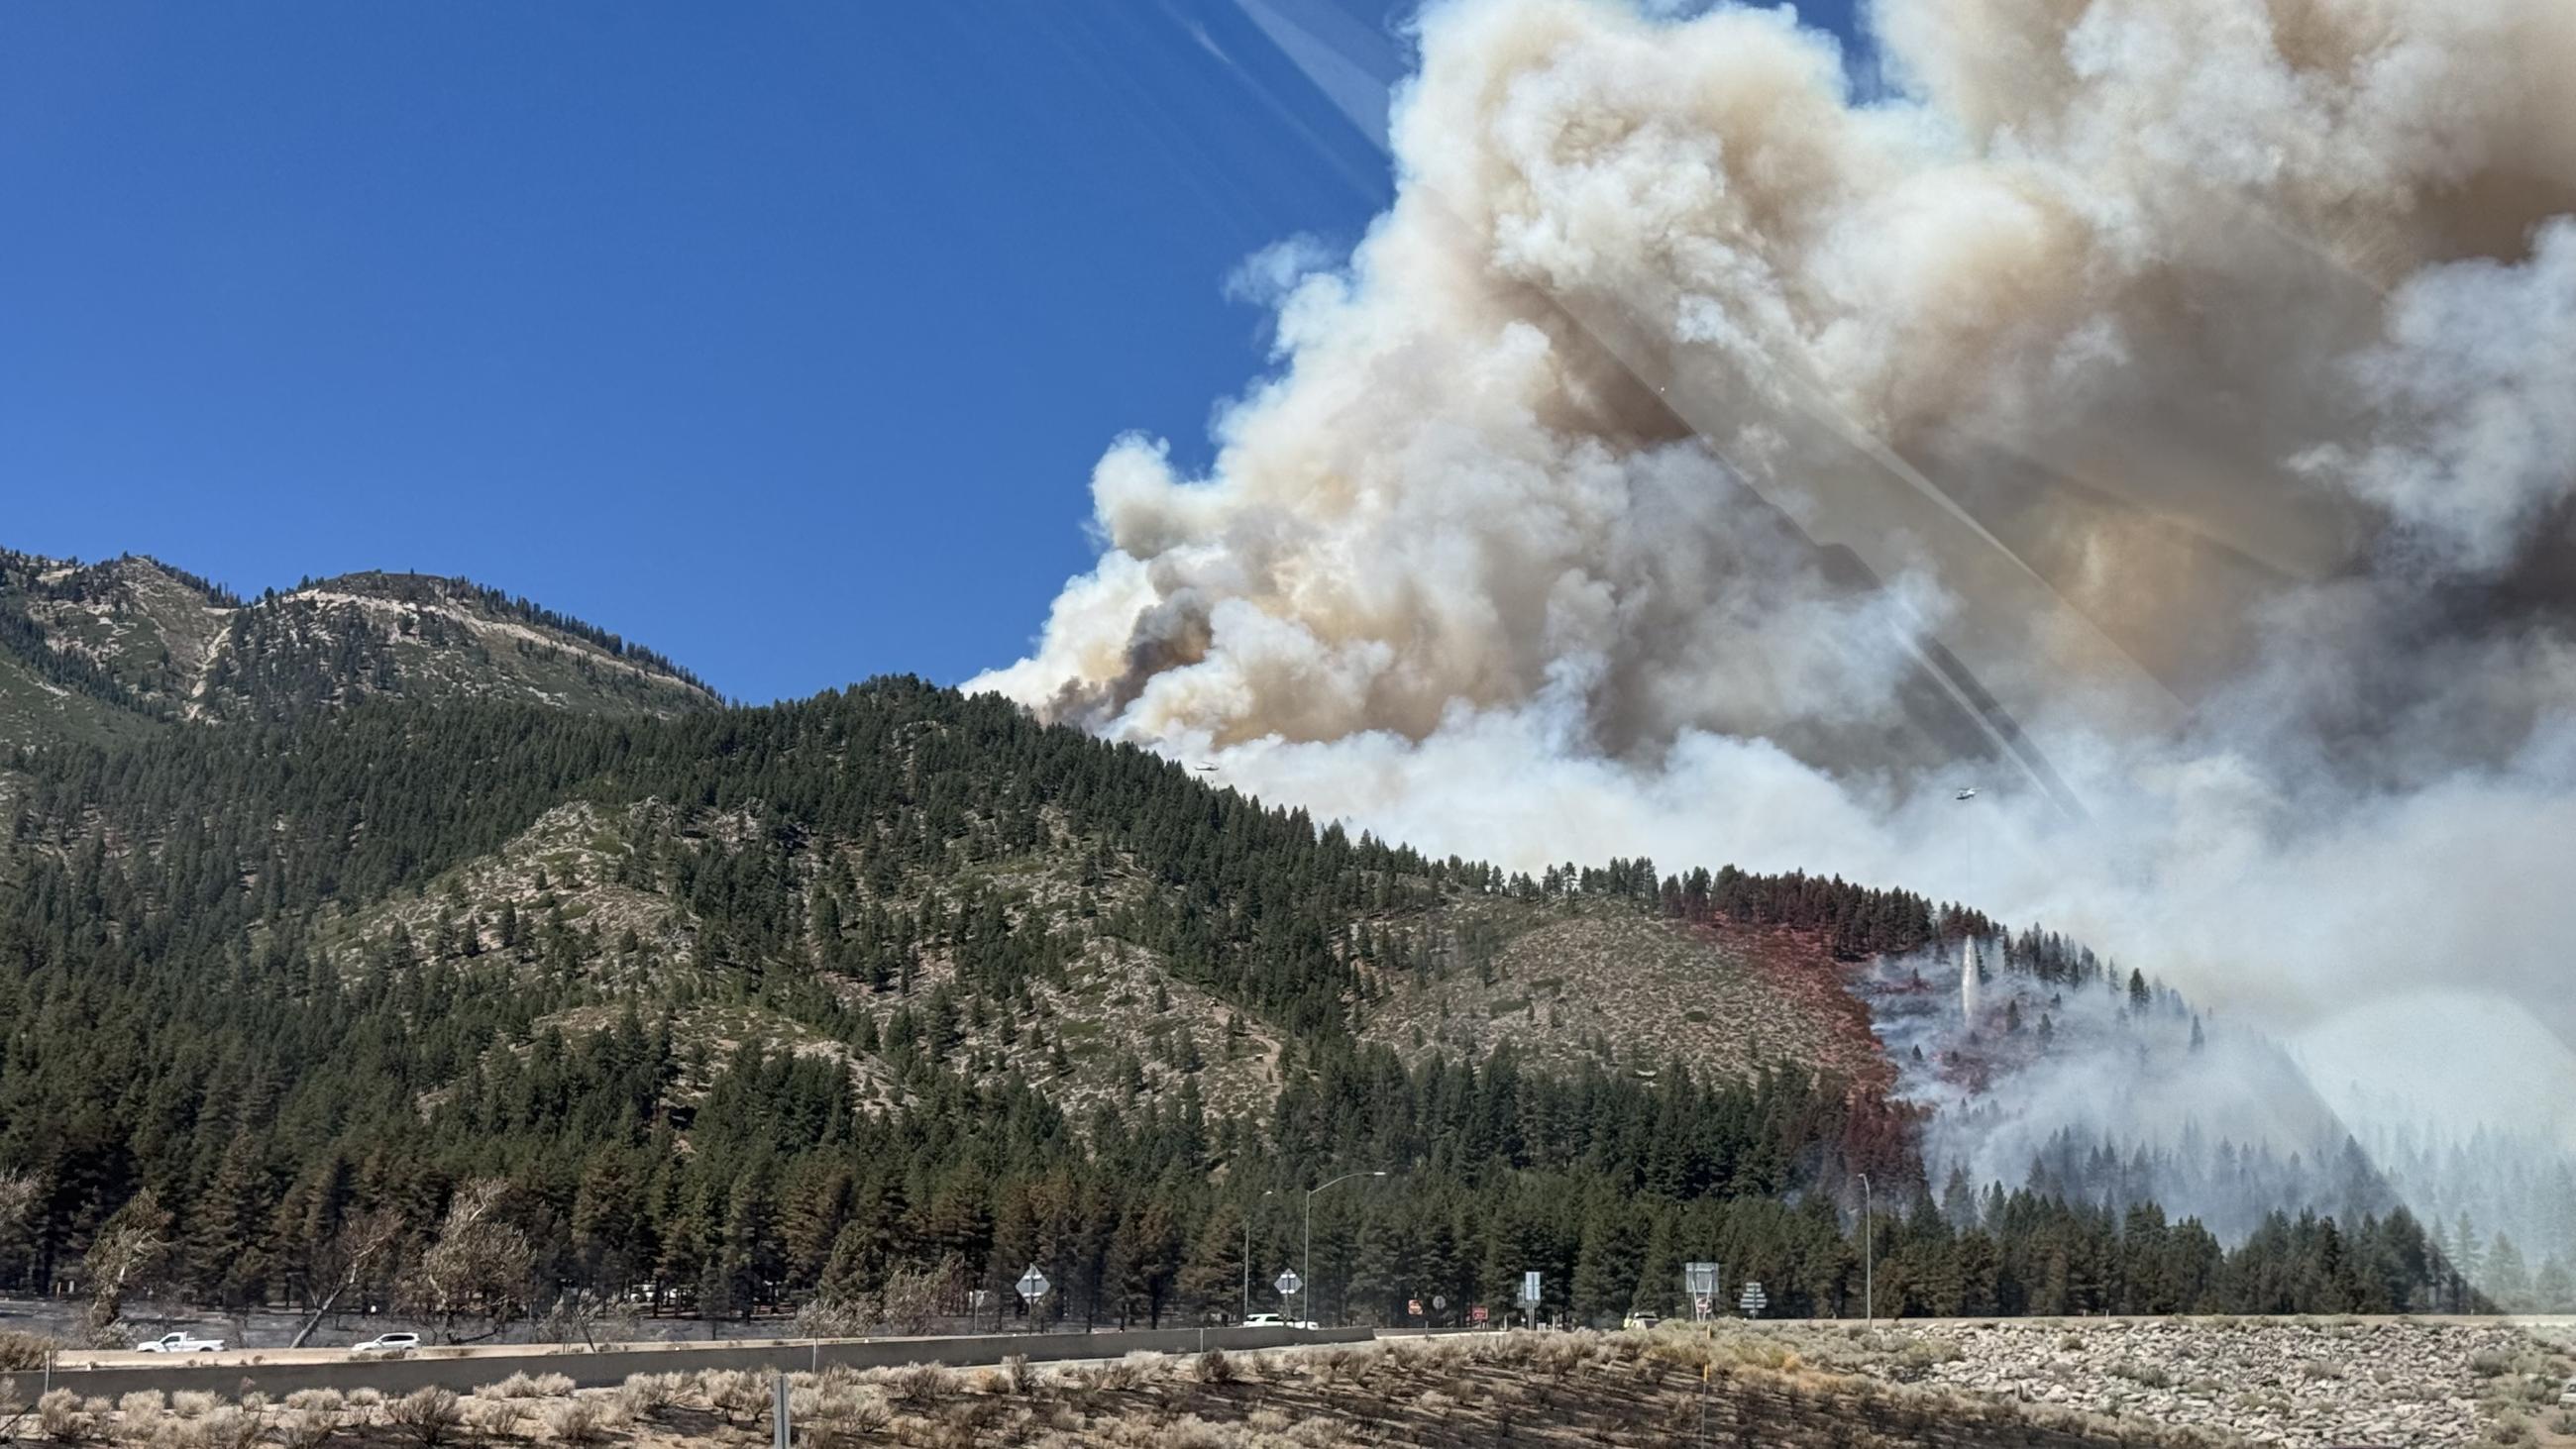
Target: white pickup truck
181, 1343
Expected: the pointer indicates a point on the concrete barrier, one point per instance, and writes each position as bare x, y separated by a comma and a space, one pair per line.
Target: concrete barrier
607, 1366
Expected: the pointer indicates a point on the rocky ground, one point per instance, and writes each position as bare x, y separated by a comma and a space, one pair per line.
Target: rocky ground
2270, 1381
1574, 985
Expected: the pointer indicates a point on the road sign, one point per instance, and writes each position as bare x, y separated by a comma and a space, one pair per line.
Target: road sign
1033, 1284
1700, 1305
1288, 1282
1529, 1286
1476, 1314
1754, 1300
1699, 1279
1413, 1307
1438, 1302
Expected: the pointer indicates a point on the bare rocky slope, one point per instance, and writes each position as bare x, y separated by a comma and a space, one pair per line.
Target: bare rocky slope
115, 649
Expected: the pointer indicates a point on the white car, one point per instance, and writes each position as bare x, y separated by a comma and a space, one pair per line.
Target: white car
181, 1343
389, 1343
1262, 1320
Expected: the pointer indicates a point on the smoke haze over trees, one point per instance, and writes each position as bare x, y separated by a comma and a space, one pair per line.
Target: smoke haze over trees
2154, 413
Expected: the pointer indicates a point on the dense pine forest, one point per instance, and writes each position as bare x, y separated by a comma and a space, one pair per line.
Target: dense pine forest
854, 1007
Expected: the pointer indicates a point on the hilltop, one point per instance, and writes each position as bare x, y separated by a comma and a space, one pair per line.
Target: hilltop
114, 650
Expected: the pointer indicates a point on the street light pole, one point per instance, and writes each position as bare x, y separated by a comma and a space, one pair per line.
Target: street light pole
1310, 1235
1247, 1254
1868, 1259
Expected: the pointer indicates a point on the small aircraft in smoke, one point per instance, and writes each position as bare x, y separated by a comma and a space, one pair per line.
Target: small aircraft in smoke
1204, 769
1966, 792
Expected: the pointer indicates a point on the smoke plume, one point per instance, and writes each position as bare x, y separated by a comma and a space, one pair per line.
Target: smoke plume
2159, 413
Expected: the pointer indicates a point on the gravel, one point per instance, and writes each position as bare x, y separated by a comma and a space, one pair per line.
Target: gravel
2271, 1381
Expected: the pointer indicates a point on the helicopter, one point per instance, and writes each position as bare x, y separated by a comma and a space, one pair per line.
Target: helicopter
1966, 792
1204, 769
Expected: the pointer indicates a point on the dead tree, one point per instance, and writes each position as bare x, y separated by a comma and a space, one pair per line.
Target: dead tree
133, 1248
479, 1263
360, 1249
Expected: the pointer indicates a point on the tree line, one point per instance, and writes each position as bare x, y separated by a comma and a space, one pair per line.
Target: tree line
219, 1080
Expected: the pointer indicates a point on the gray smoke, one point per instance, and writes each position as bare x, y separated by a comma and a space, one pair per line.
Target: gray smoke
2159, 412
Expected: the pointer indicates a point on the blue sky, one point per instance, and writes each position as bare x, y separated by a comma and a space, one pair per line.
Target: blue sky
780, 338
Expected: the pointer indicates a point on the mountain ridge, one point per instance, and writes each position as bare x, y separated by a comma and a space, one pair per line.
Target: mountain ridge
118, 648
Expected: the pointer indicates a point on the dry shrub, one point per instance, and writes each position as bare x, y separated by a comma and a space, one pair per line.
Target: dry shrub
309, 1428
576, 1421
193, 1403
646, 1396
1192, 1432
1120, 1375
843, 1417
1337, 1363
919, 1385
426, 1415
363, 1408
1024, 1379
967, 1418
1215, 1368
63, 1418
521, 1386
490, 1418
224, 1428
738, 1394
1561, 1356
142, 1418
24, 1350
1758, 1351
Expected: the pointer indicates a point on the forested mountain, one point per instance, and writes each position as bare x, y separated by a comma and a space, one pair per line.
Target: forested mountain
368, 956
112, 650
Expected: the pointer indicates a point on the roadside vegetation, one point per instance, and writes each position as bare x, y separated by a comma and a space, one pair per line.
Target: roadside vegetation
1534, 1389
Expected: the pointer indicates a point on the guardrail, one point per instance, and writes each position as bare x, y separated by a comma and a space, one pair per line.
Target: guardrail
612, 1365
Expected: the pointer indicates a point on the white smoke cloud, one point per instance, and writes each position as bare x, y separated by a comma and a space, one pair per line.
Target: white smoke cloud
2201, 372
2473, 403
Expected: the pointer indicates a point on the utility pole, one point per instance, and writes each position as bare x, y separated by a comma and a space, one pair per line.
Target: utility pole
1310, 1237
1868, 1259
